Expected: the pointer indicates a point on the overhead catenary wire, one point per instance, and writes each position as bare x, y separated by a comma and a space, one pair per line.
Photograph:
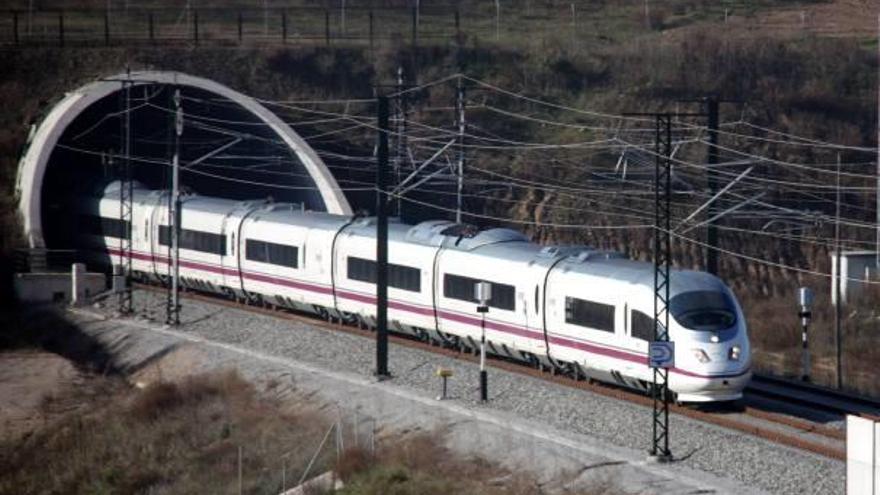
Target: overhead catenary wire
167, 164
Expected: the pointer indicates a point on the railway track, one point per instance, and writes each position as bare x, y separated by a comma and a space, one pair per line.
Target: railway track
833, 402
774, 426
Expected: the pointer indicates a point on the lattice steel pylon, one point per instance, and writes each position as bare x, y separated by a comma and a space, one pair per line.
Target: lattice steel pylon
126, 204
662, 261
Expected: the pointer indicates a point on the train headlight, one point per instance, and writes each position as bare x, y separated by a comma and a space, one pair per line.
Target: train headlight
701, 355
734, 353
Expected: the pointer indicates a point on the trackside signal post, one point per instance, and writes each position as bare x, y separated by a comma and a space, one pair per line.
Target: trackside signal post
805, 303
483, 294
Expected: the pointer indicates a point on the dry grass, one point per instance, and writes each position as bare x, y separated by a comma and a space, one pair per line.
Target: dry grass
420, 464
184, 437
169, 437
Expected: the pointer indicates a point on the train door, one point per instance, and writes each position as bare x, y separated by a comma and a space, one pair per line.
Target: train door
437, 287
228, 263
639, 331
526, 308
534, 294
158, 215
549, 296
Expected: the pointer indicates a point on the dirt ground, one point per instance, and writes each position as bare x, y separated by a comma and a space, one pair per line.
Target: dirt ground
837, 18
31, 382
841, 18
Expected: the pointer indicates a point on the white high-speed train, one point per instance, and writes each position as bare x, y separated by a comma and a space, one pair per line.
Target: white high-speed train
575, 308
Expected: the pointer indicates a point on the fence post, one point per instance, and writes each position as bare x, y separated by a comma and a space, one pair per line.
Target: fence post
106, 28
371, 30
240, 27
151, 28
415, 27
196, 26
284, 26
15, 26
61, 29
327, 26
497, 19
342, 19
239, 470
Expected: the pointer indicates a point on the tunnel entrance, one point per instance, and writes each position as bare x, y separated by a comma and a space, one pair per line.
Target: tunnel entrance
229, 146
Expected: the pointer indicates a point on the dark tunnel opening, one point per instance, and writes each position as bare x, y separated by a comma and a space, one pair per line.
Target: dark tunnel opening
225, 151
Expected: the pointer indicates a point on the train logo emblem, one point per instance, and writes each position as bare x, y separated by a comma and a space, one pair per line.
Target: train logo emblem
661, 355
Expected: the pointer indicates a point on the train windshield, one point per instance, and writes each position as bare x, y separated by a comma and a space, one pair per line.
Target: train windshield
708, 311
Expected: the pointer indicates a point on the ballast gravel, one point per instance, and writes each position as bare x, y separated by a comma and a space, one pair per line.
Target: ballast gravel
724, 453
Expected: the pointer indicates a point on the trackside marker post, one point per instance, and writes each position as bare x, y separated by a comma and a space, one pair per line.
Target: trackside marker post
444, 374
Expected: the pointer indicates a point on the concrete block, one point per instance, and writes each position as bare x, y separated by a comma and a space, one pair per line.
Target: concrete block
56, 287
78, 287
860, 456
323, 483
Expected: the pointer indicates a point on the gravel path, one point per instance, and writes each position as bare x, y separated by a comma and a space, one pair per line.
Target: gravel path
728, 454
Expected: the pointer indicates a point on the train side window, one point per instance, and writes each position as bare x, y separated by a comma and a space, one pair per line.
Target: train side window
399, 276
462, 289
271, 253
362, 270
104, 226
195, 240
641, 326
255, 250
404, 277
589, 314
280, 254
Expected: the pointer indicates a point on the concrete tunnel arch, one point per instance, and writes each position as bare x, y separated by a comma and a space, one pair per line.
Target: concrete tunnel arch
45, 136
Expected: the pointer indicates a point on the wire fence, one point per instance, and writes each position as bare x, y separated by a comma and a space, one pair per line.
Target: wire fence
305, 466
368, 26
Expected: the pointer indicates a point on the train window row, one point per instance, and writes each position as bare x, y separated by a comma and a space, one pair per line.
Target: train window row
195, 240
104, 226
462, 289
399, 276
271, 253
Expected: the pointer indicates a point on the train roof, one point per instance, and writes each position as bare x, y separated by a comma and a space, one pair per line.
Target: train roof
293, 214
617, 267
504, 243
